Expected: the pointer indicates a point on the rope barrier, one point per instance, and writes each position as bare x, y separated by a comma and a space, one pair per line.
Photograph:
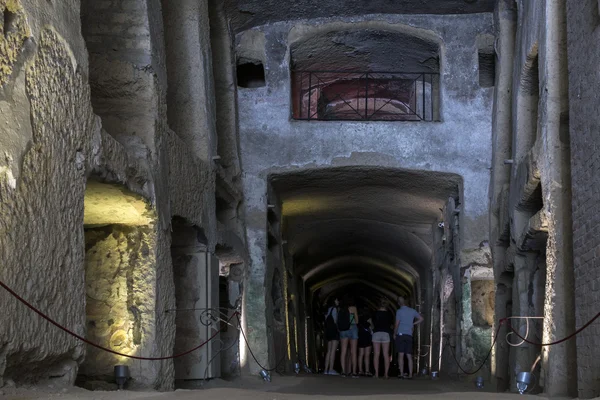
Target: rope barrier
41, 314
252, 353
236, 314
486, 357
81, 338
524, 339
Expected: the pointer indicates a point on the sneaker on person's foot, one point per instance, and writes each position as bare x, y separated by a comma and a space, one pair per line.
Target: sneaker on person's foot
333, 372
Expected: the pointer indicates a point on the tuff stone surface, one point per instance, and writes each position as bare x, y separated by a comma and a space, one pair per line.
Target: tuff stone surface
15, 33
582, 23
533, 254
119, 265
52, 145
48, 271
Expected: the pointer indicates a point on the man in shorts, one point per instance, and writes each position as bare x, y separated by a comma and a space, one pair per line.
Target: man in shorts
406, 319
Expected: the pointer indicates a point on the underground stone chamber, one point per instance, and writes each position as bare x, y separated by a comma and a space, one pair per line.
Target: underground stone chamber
368, 232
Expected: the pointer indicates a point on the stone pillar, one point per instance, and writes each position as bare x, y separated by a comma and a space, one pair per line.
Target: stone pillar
254, 308
223, 59
524, 355
500, 368
559, 362
190, 93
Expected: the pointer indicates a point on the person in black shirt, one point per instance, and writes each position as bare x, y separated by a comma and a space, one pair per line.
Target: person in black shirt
365, 331
332, 336
382, 322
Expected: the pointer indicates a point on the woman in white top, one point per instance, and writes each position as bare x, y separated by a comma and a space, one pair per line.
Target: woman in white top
332, 336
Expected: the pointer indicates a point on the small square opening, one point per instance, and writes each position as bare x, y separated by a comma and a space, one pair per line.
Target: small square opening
251, 74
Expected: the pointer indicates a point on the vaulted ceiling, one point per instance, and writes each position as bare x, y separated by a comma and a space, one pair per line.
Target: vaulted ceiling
365, 226
365, 50
245, 14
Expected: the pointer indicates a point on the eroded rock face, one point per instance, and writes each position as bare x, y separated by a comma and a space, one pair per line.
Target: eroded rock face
42, 221
50, 142
15, 34
482, 302
118, 294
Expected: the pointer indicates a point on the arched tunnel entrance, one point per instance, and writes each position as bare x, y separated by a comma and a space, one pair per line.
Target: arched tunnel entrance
370, 233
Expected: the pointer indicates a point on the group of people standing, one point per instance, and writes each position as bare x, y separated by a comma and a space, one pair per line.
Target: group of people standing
360, 333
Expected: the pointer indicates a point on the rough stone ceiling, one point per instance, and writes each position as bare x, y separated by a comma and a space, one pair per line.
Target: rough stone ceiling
245, 14
107, 204
358, 223
366, 50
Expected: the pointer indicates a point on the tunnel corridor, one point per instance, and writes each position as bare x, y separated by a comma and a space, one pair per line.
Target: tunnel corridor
365, 232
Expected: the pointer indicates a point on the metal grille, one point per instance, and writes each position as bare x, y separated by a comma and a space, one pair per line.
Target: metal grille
365, 96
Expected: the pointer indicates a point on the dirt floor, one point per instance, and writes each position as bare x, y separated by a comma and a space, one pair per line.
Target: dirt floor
284, 388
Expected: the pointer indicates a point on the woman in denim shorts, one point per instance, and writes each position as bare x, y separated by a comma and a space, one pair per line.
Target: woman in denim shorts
349, 336
382, 321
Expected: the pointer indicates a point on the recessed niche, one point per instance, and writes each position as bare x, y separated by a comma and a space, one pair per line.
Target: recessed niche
250, 74
10, 20
483, 296
487, 69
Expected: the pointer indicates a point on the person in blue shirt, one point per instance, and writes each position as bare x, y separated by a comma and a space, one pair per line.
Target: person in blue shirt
406, 319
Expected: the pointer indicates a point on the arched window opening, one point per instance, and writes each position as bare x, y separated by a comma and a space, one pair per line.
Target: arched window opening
365, 75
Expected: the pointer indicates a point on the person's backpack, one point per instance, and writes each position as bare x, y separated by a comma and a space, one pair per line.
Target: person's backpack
343, 321
330, 326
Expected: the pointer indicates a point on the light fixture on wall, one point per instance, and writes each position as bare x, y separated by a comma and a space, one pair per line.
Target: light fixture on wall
524, 379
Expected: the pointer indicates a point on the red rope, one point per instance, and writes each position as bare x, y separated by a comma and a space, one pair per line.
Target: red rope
558, 341
41, 314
